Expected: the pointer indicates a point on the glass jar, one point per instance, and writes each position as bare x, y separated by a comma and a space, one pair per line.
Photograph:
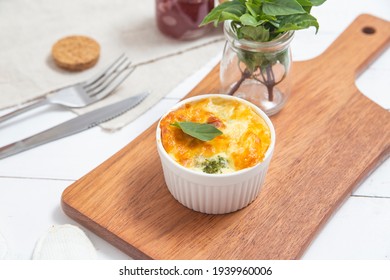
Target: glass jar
257, 71
180, 19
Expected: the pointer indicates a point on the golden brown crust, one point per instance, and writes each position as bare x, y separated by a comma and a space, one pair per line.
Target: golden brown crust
76, 53
245, 140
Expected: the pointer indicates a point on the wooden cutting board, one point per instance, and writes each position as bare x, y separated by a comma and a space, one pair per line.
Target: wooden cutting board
329, 138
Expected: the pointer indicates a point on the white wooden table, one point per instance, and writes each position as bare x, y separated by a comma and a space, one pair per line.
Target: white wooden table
31, 183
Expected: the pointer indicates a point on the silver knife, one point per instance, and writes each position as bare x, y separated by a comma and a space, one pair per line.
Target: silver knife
73, 126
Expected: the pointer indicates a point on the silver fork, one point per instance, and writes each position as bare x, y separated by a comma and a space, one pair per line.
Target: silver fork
84, 93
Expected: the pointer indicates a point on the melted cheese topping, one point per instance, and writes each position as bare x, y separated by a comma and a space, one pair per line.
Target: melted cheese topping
244, 142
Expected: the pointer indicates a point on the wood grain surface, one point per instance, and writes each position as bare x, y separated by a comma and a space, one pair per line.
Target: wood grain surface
329, 138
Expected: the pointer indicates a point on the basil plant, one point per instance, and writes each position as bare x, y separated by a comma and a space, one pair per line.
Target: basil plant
263, 21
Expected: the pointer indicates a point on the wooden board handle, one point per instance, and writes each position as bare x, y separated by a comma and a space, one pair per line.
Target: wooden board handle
366, 37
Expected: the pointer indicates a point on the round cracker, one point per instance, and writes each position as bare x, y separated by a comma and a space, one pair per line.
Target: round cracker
76, 53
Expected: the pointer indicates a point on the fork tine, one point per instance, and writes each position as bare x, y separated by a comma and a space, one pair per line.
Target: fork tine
116, 82
107, 81
107, 76
105, 71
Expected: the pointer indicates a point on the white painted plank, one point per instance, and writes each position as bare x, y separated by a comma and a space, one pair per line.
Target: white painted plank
27, 210
359, 230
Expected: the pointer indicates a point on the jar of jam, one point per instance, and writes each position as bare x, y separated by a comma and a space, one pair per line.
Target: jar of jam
180, 19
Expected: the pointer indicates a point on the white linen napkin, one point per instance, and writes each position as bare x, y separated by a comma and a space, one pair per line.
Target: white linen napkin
28, 29
64, 242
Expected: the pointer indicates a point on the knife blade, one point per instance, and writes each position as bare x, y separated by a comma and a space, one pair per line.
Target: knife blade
73, 126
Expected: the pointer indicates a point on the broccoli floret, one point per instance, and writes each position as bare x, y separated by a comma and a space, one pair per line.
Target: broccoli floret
213, 166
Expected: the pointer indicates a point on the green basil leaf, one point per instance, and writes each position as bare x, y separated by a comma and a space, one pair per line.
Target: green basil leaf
248, 20
201, 131
225, 11
317, 2
297, 22
282, 7
258, 33
228, 16
253, 8
305, 3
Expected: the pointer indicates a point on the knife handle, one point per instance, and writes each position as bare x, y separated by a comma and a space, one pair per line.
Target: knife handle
25, 144
12, 149
46, 136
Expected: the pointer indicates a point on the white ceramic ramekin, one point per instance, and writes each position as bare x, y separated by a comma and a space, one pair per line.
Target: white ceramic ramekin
214, 193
